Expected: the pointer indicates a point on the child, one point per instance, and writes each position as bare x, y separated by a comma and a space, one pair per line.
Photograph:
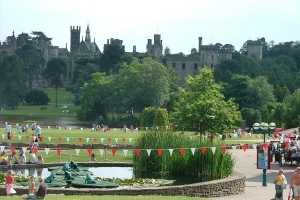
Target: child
40, 159
92, 158
9, 180
31, 185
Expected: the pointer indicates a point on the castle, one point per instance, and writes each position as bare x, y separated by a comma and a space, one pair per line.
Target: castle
207, 55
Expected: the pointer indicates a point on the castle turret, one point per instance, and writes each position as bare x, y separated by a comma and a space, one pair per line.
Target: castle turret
156, 49
255, 48
200, 44
75, 39
87, 35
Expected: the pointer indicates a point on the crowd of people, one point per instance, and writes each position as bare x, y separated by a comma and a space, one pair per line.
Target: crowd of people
20, 159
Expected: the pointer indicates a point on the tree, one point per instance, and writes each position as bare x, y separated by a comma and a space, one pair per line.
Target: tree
23, 39
143, 83
37, 97
111, 59
194, 51
56, 68
33, 60
202, 104
167, 51
12, 88
290, 110
95, 98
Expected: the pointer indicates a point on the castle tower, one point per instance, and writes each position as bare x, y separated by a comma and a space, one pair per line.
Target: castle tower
255, 48
87, 35
75, 39
156, 49
200, 44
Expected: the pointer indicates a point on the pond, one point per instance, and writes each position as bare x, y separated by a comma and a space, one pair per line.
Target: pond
111, 172
45, 120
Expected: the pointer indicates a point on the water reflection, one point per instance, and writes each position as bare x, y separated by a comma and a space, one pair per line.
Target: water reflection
28, 172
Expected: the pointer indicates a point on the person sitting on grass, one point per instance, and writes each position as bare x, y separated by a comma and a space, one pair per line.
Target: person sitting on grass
3, 159
31, 187
12, 158
40, 191
22, 159
40, 159
32, 158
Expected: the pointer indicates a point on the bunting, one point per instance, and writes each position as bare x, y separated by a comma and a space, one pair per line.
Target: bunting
101, 152
170, 151
47, 151
125, 151
193, 150
77, 151
148, 152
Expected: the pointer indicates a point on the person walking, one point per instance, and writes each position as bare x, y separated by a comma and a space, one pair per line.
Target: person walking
38, 130
8, 130
295, 183
279, 181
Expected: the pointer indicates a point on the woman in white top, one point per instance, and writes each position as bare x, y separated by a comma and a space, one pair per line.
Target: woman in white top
22, 159
32, 158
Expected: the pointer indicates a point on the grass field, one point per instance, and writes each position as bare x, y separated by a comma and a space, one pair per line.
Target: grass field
60, 197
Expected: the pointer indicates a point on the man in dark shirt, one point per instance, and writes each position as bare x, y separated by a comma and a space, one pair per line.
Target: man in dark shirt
40, 191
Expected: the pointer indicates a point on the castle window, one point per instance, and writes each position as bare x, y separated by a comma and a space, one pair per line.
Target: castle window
212, 57
183, 65
195, 66
174, 65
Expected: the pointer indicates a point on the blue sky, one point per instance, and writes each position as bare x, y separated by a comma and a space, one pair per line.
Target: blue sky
180, 23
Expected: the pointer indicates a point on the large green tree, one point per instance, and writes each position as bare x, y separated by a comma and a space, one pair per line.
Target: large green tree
33, 60
290, 111
12, 87
54, 72
202, 104
111, 59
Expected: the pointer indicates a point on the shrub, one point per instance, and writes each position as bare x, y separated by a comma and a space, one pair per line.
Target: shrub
37, 97
154, 117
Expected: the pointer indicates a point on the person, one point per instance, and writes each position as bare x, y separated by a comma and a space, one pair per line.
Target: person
40, 159
9, 181
39, 132
32, 158
3, 159
278, 196
12, 158
295, 183
40, 191
34, 142
8, 130
31, 186
22, 159
92, 158
279, 180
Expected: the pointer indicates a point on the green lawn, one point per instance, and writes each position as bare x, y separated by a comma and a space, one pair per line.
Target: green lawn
60, 197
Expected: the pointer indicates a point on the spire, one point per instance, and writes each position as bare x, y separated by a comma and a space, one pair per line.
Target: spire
13, 33
82, 39
94, 40
66, 45
87, 35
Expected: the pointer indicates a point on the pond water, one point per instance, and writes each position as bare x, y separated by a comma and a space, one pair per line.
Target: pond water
111, 172
45, 120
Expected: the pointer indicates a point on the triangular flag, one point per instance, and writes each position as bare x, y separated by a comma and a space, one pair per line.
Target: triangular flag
2, 148
109, 139
254, 146
193, 150
3, 136
116, 140
276, 144
35, 150
148, 152
47, 151
42, 138
130, 139
113, 151
27, 137
101, 152
223, 149
123, 140
49, 138
20, 137
90, 151
203, 150
68, 139
77, 151
233, 147
58, 150
159, 151
191, 137
171, 152
11, 137
80, 139
24, 149
125, 151
59, 139
95, 140
244, 147
102, 139
181, 151
265, 146
12, 148
87, 140
213, 149
137, 152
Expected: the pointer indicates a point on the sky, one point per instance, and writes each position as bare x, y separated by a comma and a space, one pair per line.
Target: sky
179, 22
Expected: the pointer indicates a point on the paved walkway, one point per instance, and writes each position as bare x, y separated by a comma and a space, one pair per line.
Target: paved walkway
246, 164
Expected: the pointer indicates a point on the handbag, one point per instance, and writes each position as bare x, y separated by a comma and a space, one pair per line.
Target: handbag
284, 184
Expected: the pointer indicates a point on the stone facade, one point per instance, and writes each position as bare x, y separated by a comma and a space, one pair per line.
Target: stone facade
155, 50
255, 48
